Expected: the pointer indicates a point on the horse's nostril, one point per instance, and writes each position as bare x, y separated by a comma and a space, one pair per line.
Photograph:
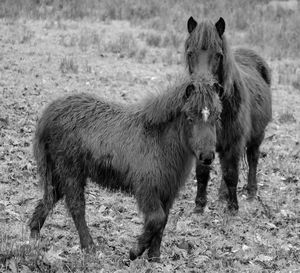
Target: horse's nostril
206, 158
207, 161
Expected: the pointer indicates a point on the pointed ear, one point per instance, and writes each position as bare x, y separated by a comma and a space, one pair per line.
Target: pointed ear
188, 91
220, 26
191, 24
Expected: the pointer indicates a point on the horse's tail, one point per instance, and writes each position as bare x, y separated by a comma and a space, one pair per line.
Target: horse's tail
44, 163
262, 67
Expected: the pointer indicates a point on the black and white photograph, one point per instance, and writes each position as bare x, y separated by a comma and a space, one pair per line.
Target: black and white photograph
145, 136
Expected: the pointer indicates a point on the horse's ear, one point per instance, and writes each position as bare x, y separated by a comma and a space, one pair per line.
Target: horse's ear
189, 90
191, 24
220, 26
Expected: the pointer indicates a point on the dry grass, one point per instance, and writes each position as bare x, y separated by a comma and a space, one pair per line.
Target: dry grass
275, 31
153, 39
141, 54
124, 44
68, 64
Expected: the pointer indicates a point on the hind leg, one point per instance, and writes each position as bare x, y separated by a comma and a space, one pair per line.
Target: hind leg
252, 158
202, 175
155, 222
75, 202
223, 191
43, 208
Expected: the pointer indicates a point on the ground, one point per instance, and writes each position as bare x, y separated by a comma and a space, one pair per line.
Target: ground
41, 60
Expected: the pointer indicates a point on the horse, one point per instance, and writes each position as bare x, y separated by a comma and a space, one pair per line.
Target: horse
246, 100
146, 148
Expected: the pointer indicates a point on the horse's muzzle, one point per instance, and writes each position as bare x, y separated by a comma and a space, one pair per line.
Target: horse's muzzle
206, 158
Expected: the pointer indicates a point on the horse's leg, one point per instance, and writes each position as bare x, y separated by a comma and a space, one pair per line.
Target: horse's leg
252, 157
155, 221
154, 249
76, 205
230, 169
223, 191
202, 175
51, 196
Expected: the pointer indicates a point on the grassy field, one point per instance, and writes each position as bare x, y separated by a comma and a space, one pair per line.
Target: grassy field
123, 49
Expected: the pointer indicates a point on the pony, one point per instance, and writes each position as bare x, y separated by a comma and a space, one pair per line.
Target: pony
146, 148
246, 101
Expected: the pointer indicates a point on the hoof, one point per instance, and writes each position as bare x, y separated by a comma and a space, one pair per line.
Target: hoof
223, 197
136, 251
251, 195
154, 259
232, 210
89, 248
133, 254
198, 209
34, 234
154, 255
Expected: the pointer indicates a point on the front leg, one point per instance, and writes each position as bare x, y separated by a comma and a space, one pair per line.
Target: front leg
202, 175
155, 221
230, 170
154, 249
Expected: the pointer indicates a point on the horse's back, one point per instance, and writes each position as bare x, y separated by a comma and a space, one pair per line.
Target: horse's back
250, 58
77, 112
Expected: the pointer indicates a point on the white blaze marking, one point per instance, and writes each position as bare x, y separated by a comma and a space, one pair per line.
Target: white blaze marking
205, 113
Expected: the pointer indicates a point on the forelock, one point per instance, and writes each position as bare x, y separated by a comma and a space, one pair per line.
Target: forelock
204, 36
205, 95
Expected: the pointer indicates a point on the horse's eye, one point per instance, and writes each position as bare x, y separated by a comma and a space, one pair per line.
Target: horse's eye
190, 53
218, 56
189, 119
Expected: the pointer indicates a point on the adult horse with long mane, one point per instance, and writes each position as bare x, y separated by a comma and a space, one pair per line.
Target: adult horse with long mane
246, 101
146, 148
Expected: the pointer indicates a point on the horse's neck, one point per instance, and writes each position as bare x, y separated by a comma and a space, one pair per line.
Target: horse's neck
165, 130
173, 143
159, 111
235, 102
233, 82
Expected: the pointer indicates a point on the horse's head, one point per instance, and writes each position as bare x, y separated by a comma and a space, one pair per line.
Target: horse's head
201, 110
204, 49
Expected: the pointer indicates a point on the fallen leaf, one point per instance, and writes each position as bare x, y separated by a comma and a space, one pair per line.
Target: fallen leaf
271, 226
25, 269
188, 246
136, 220
52, 256
13, 265
263, 258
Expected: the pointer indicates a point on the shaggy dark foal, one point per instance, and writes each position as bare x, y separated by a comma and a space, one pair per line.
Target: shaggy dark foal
146, 148
246, 102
